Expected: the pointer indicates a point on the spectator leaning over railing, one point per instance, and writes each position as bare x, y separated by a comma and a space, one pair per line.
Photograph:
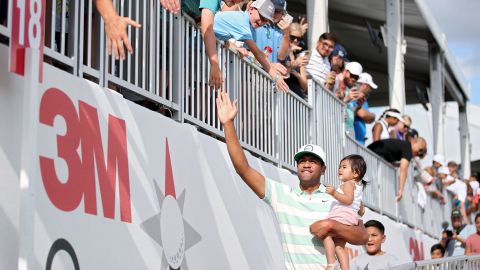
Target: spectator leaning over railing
345, 81
437, 251
115, 29
296, 60
383, 127
319, 65
437, 162
239, 24
455, 241
393, 150
205, 9
271, 35
429, 180
472, 245
458, 188
360, 106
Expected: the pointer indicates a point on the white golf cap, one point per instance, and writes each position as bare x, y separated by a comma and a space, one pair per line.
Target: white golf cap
354, 68
444, 170
265, 7
367, 78
439, 158
311, 149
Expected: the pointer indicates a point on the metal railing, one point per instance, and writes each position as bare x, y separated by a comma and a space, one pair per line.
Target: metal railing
329, 132
170, 68
450, 263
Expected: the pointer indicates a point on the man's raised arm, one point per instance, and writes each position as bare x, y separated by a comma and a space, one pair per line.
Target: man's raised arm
226, 113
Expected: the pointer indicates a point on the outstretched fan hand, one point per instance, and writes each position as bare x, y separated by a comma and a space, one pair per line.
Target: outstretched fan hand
226, 110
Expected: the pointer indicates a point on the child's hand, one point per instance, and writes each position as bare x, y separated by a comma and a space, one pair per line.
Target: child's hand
330, 190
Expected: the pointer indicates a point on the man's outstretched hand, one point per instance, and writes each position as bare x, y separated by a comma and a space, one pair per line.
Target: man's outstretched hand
226, 110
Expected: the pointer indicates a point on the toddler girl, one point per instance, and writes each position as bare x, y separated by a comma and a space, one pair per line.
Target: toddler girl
348, 204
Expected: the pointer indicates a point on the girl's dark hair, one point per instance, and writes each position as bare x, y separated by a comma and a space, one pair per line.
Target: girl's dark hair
388, 110
358, 165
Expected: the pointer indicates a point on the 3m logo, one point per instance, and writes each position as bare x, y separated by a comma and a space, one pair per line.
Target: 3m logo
83, 133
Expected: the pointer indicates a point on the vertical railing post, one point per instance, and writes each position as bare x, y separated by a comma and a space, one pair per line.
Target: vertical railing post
379, 186
73, 41
177, 59
312, 113
279, 116
232, 82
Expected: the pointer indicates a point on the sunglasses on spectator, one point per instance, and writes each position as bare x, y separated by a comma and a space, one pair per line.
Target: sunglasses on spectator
293, 38
353, 76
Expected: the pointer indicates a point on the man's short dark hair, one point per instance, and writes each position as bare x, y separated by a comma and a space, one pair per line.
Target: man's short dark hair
476, 216
375, 223
328, 36
439, 247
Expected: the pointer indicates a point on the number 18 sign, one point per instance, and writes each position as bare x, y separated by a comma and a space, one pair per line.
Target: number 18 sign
28, 21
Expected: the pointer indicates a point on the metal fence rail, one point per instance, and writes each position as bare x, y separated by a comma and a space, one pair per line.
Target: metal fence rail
329, 115
61, 33
294, 119
450, 263
170, 68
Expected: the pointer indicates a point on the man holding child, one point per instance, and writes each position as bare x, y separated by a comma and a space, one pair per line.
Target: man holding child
300, 210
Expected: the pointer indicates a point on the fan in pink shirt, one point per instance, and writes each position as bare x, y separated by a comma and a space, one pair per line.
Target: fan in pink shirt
473, 241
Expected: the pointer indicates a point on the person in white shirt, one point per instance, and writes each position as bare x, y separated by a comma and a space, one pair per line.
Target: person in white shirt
319, 65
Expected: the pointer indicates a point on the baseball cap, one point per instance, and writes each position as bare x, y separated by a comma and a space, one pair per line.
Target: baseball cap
456, 213
354, 67
265, 7
280, 4
340, 50
310, 149
367, 78
444, 170
439, 158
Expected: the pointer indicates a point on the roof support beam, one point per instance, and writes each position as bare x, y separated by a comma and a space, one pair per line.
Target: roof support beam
317, 17
437, 98
453, 89
465, 150
396, 66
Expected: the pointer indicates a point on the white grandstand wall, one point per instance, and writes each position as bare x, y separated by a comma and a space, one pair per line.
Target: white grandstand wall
211, 220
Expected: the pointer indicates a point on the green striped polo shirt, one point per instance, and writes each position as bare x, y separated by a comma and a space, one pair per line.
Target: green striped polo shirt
296, 210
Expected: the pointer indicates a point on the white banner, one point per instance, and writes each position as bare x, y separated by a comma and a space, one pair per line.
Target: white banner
118, 186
